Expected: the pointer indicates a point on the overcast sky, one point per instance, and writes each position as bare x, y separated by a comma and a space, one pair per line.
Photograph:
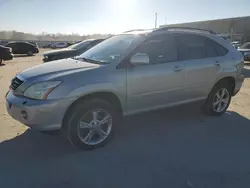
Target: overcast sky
110, 16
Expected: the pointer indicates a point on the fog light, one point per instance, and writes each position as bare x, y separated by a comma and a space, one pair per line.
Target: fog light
24, 114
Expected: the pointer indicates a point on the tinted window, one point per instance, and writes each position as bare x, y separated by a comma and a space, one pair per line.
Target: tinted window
11, 45
245, 46
23, 46
160, 49
191, 47
214, 49
93, 44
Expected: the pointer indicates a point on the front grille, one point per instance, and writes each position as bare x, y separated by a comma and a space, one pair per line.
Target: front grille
15, 83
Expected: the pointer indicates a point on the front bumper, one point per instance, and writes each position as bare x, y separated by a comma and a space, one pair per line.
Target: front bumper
44, 115
8, 57
46, 59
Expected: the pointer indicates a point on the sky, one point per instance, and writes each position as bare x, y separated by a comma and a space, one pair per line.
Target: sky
110, 16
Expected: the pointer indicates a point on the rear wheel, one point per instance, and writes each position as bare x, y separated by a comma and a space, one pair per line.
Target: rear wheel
91, 124
219, 99
30, 53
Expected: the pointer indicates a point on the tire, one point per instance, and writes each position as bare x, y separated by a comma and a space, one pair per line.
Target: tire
30, 53
86, 109
210, 107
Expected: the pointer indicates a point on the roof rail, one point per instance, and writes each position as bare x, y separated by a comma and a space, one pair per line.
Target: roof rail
185, 28
134, 30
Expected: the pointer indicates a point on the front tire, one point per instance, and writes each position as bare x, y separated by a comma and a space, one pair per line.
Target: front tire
91, 124
219, 99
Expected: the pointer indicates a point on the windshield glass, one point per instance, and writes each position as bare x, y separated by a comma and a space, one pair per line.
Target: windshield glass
111, 50
245, 46
79, 45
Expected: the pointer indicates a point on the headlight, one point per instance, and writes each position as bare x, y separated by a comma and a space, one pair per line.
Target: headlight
41, 90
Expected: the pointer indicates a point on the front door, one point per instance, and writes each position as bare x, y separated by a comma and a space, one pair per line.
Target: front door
158, 83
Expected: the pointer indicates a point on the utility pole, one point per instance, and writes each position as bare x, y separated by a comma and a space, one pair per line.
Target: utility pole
156, 20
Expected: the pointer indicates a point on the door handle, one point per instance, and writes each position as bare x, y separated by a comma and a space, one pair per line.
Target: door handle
177, 68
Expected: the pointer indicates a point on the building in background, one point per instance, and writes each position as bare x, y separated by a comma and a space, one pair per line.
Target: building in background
236, 29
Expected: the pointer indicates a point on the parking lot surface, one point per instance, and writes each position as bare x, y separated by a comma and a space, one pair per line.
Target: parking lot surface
177, 147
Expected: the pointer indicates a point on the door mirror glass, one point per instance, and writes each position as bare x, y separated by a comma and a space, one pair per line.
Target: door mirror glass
139, 59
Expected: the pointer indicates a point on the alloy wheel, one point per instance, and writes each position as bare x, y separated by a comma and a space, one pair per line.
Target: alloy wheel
94, 126
221, 100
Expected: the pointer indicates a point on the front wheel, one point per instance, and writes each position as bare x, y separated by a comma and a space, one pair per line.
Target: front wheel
219, 99
91, 124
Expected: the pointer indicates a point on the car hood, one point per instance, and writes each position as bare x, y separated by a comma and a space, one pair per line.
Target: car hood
60, 51
56, 68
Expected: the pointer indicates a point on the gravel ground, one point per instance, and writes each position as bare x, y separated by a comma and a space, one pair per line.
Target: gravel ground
160, 149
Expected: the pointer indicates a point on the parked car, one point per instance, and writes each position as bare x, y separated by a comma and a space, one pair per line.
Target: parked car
5, 54
245, 50
2, 43
126, 74
71, 51
59, 45
23, 48
236, 44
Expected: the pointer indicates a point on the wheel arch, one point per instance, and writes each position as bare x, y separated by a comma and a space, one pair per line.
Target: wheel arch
107, 96
229, 79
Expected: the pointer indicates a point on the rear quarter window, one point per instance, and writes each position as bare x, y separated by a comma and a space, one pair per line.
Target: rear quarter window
213, 49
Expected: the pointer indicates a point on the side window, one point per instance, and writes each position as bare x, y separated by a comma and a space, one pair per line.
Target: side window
248, 46
10, 45
26, 46
91, 45
160, 49
214, 49
191, 46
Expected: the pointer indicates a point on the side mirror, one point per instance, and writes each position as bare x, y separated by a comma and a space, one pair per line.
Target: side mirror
139, 59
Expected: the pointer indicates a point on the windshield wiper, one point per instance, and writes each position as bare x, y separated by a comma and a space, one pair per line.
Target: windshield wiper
91, 60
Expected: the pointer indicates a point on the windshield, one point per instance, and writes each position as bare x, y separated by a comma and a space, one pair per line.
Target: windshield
111, 50
79, 45
245, 46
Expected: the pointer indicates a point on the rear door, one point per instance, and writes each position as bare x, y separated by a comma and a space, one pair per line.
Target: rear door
158, 83
26, 47
202, 64
21, 48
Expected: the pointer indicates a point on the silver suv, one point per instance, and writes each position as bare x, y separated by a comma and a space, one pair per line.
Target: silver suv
133, 72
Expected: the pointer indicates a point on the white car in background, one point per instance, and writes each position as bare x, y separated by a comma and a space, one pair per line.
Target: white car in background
59, 45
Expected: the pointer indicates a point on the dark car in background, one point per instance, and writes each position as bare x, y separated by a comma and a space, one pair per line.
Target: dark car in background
245, 50
5, 54
23, 48
71, 51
